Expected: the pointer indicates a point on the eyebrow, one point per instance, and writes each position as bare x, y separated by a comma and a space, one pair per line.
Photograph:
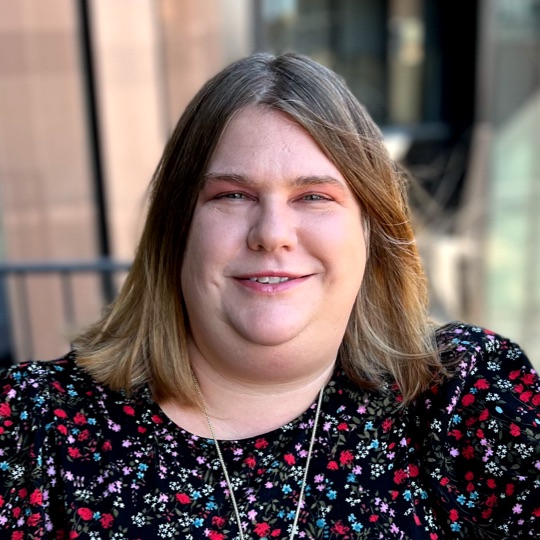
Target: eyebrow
299, 181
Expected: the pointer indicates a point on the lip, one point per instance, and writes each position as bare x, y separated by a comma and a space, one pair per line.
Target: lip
271, 288
270, 273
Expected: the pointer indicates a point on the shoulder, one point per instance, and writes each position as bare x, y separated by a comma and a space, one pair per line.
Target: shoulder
486, 368
35, 395
32, 382
467, 342
481, 429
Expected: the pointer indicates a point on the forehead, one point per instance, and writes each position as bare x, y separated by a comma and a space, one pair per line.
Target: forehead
258, 142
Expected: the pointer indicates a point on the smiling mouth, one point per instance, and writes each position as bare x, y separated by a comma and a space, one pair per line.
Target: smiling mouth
269, 279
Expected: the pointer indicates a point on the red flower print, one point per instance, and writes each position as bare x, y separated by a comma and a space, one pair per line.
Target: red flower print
2, 501
470, 487
214, 535
74, 452
453, 515
526, 396
346, 457
467, 399
141, 429
23, 493
514, 374
400, 476
469, 476
57, 386
491, 501
106, 520
491, 483
33, 520
395, 495
261, 443
79, 419
413, 470
62, 429
5, 410
468, 452
340, 528
484, 415
536, 512
289, 459
262, 529
83, 435
106, 446
17, 535
456, 433
444, 481
515, 431
487, 513
509, 489
528, 379
373, 518
433, 536
85, 513
275, 533
183, 498
333, 466
16, 512
36, 497
218, 521
536, 400
343, 426
250, 462
482, 384
156, 419
129, 410
417, 520
387, 425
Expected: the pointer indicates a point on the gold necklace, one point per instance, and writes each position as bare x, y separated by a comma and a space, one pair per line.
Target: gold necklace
226, 473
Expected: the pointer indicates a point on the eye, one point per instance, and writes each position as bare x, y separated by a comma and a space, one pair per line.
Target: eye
235, 196
314, 197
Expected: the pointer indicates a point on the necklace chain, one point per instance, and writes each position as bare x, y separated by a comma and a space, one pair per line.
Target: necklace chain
226, 473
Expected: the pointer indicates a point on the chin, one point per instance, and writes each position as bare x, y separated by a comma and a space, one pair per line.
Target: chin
269, 337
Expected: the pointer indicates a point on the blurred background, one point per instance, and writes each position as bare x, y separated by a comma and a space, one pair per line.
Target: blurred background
91, 89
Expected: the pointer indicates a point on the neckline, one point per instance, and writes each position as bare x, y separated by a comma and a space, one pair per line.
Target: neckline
305, 417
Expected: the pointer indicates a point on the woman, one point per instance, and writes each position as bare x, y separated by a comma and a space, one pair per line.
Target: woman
269, 369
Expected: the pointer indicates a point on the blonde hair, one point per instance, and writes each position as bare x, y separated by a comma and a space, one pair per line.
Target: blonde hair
141, 339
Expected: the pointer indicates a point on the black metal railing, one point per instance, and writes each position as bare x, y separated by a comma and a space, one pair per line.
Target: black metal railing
16, 301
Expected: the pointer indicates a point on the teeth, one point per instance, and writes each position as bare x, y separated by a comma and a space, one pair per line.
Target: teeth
269, 279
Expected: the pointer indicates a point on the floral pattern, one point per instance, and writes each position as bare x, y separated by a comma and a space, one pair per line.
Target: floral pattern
78, 460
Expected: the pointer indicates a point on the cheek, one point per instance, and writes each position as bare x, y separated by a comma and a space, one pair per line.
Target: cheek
208, 251
345, 242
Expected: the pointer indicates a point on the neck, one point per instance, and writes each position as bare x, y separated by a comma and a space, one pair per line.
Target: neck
240, 410
243, 405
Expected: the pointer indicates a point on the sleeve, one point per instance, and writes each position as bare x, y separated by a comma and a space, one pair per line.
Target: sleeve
22, 413
485, 454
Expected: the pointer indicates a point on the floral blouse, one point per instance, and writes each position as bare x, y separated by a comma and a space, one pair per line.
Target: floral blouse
78, 460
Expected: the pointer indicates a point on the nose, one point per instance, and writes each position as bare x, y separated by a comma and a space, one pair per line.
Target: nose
273, 228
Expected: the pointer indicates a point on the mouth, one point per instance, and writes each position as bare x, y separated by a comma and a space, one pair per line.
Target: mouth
269, 279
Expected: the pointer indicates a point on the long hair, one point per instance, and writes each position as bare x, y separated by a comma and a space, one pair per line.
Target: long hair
141, 339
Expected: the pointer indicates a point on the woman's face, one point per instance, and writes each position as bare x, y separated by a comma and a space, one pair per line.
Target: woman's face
276, 251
